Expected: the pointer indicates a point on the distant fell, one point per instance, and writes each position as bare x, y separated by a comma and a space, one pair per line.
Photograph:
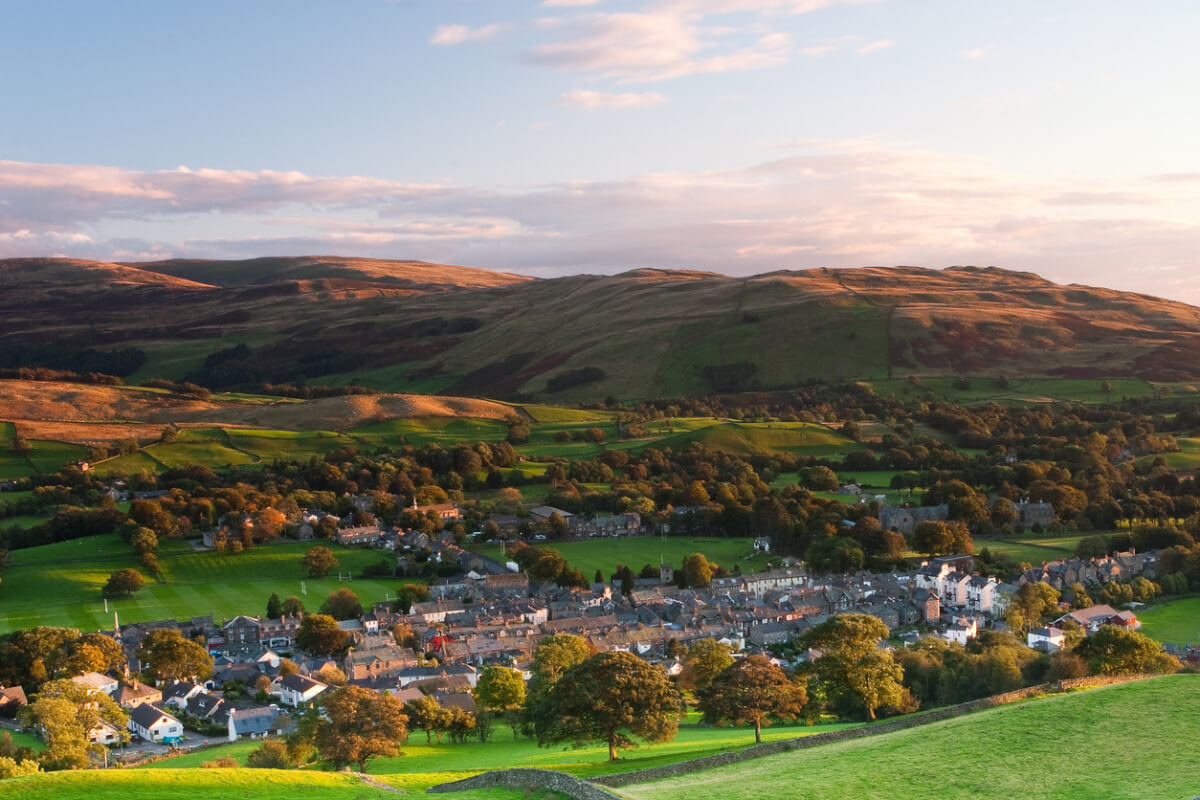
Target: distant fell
415, 327
248, 272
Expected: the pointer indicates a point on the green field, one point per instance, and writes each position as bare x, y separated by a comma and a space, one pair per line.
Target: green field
746, 438
227, 784
423, 765
635, 552
1176, 621
1138, 740
1035, 550
420, 431
1028, 391
59, 584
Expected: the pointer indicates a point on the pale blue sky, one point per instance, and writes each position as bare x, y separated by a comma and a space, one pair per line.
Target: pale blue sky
565, 136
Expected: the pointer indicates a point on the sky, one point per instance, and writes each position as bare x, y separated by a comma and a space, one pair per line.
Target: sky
554, 137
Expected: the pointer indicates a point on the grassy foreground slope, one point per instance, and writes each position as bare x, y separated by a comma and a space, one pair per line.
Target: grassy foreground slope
242, 784
1136, 740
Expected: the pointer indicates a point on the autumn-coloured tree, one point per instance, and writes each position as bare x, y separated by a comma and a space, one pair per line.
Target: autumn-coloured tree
357, 724
169, 656
852, 667
609, 698
319, 560
753, 691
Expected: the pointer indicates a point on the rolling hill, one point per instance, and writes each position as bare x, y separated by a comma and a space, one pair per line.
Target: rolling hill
404, 326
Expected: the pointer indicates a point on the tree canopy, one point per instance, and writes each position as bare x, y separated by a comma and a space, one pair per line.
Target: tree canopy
852, 668
752, 691
169, 656
320, 635
609, 698
357, 724
1119, 651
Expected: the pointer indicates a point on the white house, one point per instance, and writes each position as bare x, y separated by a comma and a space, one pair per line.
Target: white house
296, 689
1047, 639
953, 589
980, 593
962, 631
255, 722
155, 725
104, 733
95, 682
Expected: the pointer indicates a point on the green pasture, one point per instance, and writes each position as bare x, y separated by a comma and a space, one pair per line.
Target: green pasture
1176, 621
26, 740
420, 431
1022, 391
1132, 740
239, 784
554, 414
60, 584
1034, 550
745, 438
635, 552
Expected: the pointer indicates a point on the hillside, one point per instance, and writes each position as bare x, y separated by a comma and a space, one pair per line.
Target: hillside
424, 328
1090, 745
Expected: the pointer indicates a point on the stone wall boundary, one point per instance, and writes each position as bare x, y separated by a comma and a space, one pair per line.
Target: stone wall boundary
546, 779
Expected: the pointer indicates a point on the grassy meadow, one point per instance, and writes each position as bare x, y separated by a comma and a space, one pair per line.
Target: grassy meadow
59, 584
635, 552
1136, 740
1176, 621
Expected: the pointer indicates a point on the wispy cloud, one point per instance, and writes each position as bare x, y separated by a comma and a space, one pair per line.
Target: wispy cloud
977, 53
871, 47
847, 203
586, 98
460, 34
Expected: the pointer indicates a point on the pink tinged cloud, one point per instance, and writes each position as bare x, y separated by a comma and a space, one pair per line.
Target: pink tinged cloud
461, 34
586, 98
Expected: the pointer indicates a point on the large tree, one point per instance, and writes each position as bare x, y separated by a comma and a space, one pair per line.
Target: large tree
320, 635
356, 724
1029, 604
342, 604
704, 661
169, 656
852, 667
500, 690
1119, 651
697, 571
319, 560
66, 713
752, 690
552, 658
123, 583
609, 698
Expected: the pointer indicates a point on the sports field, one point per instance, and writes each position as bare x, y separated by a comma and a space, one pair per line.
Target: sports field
1175, 621
636, 552
59, 584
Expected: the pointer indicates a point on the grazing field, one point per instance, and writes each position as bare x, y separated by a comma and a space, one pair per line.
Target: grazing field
419, 431
423, 765
1032, 549
1136, 740
230, 784
59, 584
635, 552
1176, 621
1029, 391
745, 438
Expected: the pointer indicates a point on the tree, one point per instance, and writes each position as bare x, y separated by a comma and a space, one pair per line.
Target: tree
357, 724
752, 690
320, 635
273, 754
609, 698
1029, 604
319, 560
552, 658
937, 538
144, 540
1119, 651
342, 604
9, 768
705, 661
66, 713
292, 606
169, 656
331, 674
428, 715
123, 583
274, 606
852, 668
411, 593
500, 690
697, 571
